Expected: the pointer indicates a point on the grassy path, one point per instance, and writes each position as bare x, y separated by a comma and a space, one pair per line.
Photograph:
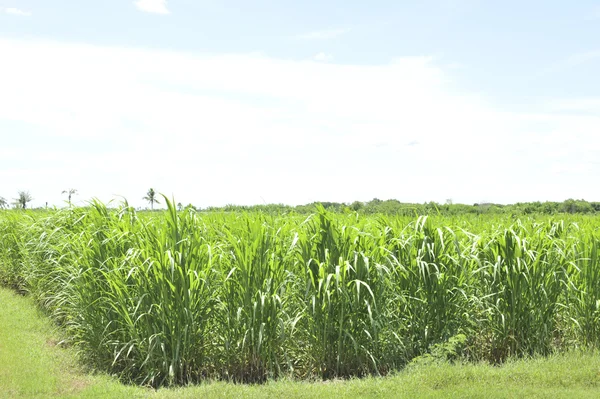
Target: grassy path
32, 365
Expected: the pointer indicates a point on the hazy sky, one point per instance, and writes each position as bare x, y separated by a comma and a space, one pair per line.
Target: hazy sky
245, 102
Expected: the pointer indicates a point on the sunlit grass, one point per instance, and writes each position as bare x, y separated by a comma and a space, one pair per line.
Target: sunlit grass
34, 365
181, 297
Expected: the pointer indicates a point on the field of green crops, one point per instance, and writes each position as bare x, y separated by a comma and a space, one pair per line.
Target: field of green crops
177, 297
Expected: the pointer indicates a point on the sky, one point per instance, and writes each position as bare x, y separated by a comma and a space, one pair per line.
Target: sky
217, 102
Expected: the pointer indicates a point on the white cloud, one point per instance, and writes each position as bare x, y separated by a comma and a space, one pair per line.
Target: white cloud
153, 6
234, 128
590, 106
323, 34
17, 11
572, 61
323, 57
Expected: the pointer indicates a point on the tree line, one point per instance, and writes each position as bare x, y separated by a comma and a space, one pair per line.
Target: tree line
395, 207
24, 198
21, 201
375, 206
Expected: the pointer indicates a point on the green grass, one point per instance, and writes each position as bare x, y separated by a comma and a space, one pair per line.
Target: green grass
32, 365
177, 298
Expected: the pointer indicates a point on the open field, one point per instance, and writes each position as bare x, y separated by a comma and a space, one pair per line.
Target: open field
181, 297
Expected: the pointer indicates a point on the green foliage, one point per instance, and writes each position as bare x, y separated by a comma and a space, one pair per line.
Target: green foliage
46, 370
396, 208
443, 352
181, 296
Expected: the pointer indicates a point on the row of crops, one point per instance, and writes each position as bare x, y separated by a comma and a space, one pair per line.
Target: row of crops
177, 297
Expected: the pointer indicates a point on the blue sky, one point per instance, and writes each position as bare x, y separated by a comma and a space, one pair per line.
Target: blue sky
218, 102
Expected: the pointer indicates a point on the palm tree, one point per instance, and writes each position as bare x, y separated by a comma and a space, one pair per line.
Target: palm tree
24, 198
3, 203
70, 192
151, 198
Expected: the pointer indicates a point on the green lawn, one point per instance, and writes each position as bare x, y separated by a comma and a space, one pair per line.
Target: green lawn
32, 365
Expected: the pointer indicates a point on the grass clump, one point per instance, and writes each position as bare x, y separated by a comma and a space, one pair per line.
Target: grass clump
179, 297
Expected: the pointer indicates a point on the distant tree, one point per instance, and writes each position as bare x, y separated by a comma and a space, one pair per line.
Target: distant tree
356, 206
70, 192
180, 206
23, 199
3, 203
576, 206
151, 198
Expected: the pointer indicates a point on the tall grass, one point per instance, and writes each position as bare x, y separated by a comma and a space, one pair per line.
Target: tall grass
177, 297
